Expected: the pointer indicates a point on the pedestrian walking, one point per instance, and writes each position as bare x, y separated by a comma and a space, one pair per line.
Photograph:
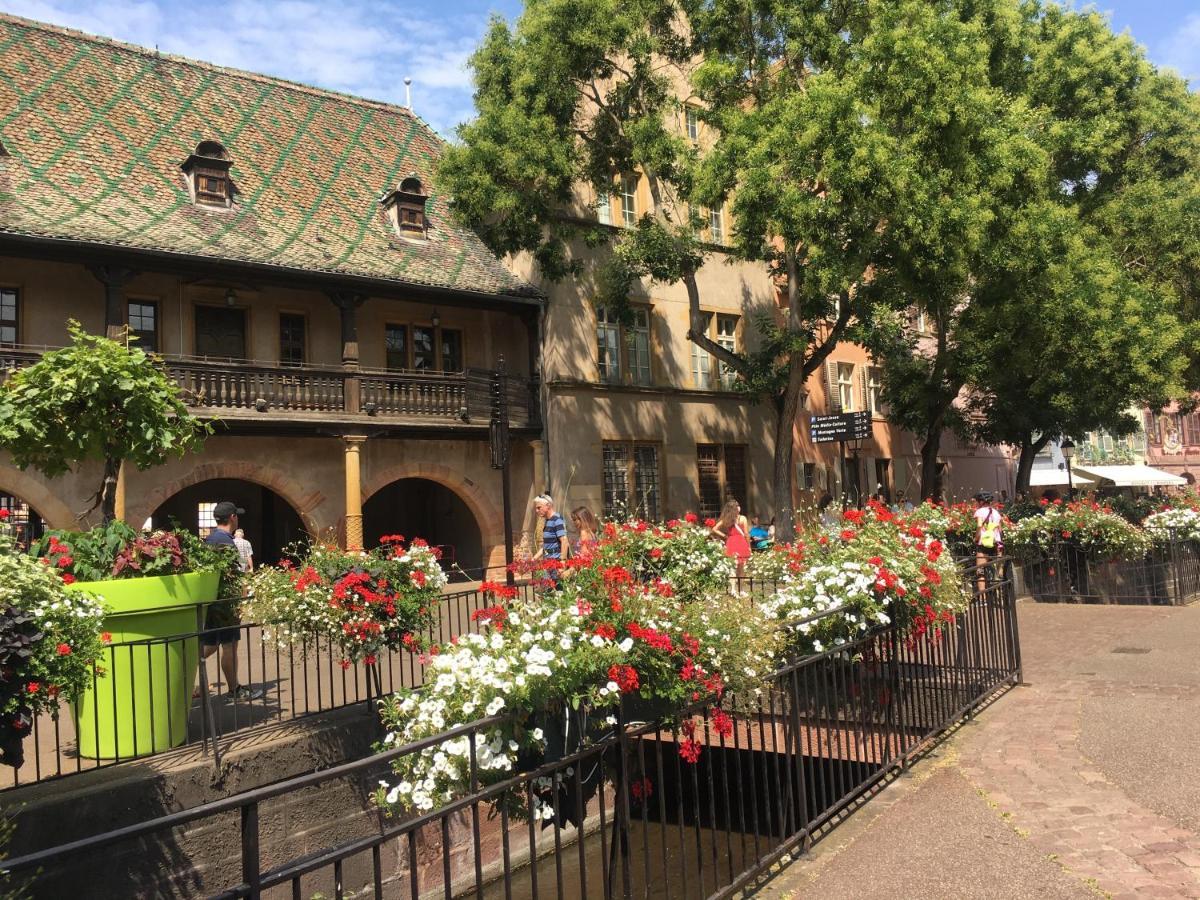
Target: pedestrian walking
586, 527
555, 545
989, 539
222, 625
245, 550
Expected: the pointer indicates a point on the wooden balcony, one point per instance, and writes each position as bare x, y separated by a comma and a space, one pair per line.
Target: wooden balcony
253, 391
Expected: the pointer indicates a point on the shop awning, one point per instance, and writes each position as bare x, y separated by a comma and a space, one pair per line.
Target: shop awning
1056, 478
1132, 476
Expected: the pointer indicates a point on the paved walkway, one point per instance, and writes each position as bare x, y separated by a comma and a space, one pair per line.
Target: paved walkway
1083, 783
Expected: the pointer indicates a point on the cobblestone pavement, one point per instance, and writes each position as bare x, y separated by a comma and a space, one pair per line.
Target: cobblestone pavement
1081, 782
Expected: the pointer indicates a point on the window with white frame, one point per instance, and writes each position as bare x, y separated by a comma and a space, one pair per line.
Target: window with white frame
922, 324
608, 347
628, 201
702, 359
604, 208
727, 338
693, 124
845, 386
638, 347
623, 350
206, 522
716, 224
875, 390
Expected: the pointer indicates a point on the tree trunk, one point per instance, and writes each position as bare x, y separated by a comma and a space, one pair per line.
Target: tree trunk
1029, 451
931, 488
108, 492
786, 408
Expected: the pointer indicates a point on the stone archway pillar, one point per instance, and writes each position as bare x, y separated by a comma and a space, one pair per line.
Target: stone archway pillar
354, 513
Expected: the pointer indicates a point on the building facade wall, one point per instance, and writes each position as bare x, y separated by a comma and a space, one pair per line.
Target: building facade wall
306, 470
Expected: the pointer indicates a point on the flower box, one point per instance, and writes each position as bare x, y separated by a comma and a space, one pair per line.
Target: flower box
141, 705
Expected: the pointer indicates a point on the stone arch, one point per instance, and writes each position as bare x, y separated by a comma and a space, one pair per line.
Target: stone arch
489, 519
288, 488
54, 512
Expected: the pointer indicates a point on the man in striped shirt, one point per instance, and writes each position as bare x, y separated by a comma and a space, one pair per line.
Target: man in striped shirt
554, 533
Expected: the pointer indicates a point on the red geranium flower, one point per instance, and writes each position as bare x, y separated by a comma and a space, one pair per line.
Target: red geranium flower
106, 637
63, 649
68, 578
626, 678
3, 514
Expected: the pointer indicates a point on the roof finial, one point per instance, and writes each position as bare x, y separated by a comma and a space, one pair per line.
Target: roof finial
407, 92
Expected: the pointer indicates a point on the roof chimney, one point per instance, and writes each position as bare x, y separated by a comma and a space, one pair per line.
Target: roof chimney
408, 92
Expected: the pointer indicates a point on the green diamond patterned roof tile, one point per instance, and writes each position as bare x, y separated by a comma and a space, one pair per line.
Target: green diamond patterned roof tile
94, 132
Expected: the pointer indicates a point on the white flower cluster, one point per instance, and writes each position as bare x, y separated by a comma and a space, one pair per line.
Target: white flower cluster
1173, 524
844, 590
472, 679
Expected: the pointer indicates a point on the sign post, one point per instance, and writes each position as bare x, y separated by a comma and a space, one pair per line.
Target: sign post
843, 427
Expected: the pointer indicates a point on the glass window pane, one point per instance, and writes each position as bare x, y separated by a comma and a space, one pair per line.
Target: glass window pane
708, 477
9, 311
693, 124
143, 324
616, 481
645, 474
452, 360
395, 342
629, 201
291, 339
608, 348
716, 224
845, 373
702, 360
727, 338
639, 347
423, 352
604, 209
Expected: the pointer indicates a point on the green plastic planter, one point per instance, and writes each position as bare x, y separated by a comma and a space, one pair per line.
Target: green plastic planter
141, 704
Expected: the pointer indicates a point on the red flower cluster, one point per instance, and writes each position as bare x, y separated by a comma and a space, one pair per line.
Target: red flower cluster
626, 678
641, 789
722, 723
652, 637
495, 616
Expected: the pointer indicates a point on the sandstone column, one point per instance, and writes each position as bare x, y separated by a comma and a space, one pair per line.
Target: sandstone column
354, 518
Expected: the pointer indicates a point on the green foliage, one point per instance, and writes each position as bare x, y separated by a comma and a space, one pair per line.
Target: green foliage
1073, 309
95, 400
114, 550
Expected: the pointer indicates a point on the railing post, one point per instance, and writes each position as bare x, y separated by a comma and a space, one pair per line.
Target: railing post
352, 393
251, 875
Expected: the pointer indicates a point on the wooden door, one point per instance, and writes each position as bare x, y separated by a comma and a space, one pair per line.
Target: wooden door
220, 332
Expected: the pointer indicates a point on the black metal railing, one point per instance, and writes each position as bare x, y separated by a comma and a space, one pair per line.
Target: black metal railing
631, 817
134, 711
1168, 575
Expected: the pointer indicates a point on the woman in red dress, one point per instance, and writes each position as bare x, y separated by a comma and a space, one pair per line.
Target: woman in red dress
734, 530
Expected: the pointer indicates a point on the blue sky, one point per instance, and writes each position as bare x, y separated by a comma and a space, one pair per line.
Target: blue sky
367, 47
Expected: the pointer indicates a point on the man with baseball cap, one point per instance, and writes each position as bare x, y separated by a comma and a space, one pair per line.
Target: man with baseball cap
222, 625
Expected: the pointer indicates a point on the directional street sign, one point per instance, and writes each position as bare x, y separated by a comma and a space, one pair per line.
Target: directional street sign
852, 426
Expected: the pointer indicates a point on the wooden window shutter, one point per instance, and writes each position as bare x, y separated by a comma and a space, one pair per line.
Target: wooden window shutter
864, 376
831, 385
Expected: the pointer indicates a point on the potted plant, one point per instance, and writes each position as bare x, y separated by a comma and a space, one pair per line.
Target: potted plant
155, 586
362, 602
50, 640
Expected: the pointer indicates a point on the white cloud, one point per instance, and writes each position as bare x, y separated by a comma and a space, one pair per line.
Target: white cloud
362, 47
1181, 51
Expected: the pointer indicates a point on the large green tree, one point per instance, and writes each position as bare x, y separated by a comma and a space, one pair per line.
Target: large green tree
1084, 344
1117, 207
96, 399
861, 147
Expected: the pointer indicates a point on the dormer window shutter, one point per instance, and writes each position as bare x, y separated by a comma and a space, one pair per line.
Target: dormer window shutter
207, 171
405, 207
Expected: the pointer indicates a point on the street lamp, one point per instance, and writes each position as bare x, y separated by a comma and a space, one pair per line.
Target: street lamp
1068, 451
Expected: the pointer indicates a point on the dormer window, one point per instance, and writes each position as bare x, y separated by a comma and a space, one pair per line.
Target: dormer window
207, 171
405, 207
